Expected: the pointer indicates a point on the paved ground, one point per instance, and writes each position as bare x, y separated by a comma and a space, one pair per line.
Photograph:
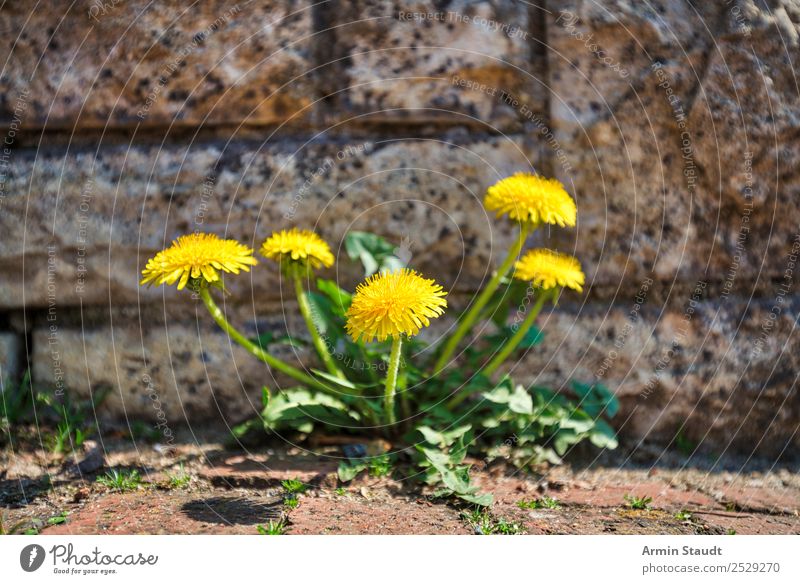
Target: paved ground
223, 491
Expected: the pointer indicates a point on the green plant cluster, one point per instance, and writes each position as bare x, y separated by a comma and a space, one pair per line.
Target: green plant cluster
66, 420
446, 418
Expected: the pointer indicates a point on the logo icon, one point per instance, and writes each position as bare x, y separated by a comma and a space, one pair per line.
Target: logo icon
31, 557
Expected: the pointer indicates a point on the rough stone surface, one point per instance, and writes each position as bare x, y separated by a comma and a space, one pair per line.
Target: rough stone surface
655, 106
462, 61
718, 377
107, 213
89, 64
167, 375
10, 353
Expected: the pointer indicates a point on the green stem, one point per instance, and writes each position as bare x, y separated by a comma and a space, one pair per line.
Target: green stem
508, 347
391, 380
469, 318
516, 339
319, 344
255, 350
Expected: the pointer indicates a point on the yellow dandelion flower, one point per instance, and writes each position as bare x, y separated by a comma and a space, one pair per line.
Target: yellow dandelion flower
298, 245
198, 255
388, 304
528, 197
548, 269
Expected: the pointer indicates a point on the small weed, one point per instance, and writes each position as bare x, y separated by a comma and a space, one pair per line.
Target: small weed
730, 532
23, 527
180, 480
380, 466
502, 527
540, 503
67, 437
58, 519
684, 445
683, 515
272, 528
121, 480
294, 486
639, 503
291, 502
15, 404
144, 432
483, 523
341, 491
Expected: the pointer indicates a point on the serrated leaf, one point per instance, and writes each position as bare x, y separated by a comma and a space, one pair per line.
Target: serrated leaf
459, 450
323, 316
441, 462
298, 407
501, 393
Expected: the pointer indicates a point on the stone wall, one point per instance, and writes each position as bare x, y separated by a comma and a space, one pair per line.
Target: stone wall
673, 123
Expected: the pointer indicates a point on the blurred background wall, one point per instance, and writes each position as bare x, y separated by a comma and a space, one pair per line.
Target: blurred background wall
674, 124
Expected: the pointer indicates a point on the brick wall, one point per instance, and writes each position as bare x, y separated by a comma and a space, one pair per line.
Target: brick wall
672, 123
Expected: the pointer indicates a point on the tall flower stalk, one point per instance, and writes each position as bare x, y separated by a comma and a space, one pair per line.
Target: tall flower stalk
299, 252
516, 338
393, 305
198, 260
548, 273
255, 350
530, 200
468, 319
390, 389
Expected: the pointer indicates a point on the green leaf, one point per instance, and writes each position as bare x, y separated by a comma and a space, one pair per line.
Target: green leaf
533, 337
579, 421
459, 450
501, 393
482, 499
603, 435
323, 315
267, 338
516, 398
563, 439
441, 462
247, 428
375, 253
596, 399
520, 401
443, 439
299, 408
264, 340
340, 299
348, 470
431, 435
